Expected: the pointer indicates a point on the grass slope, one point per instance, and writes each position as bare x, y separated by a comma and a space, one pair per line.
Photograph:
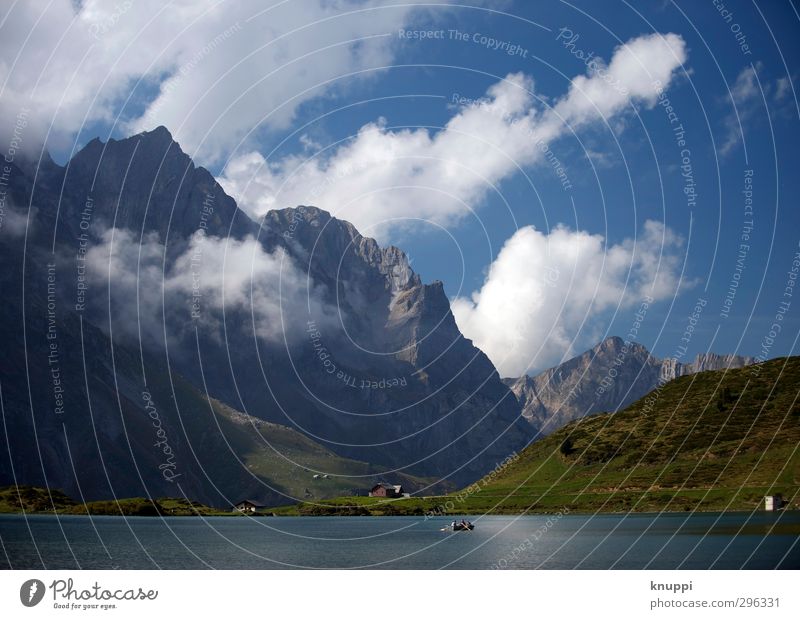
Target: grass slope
288, 460
249, 458
31, 499
710, 441
227, 443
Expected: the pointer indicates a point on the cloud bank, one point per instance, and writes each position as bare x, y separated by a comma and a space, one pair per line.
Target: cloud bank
544, 292
264, 294
382, 177
210, 71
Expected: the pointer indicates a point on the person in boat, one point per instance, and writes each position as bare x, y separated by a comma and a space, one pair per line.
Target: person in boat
453, 524
464, 524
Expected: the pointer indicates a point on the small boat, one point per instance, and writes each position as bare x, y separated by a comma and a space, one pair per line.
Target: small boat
460, 527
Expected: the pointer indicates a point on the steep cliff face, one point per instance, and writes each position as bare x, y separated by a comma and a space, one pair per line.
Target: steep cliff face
606, 378
356, 273
703, 362
408, 388
146, 183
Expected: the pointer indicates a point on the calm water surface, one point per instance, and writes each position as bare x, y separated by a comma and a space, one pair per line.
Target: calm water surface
668, 541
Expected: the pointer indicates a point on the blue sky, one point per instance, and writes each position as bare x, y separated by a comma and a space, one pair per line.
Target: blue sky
734, 98
636, 172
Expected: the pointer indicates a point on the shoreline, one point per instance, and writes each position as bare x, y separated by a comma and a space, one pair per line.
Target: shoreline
456, 515
31, 500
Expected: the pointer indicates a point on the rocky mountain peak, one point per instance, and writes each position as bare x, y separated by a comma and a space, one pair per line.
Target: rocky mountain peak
406, 389
159, 134
606, 378
618, 346
612, 343
145, 183
338, 254
712, 361
396, 326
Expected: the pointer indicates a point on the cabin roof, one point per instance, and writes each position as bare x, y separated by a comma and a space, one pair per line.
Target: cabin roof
249, 502
397, 487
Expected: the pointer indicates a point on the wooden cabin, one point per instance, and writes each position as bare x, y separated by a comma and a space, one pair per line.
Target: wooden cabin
248, 507
388, 491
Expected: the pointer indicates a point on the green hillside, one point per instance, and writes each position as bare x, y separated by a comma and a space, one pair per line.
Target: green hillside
715, 440
30, 499
288, 460
710, 441
248, 457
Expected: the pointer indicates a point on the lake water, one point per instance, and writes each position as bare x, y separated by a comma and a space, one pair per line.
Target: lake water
666, 541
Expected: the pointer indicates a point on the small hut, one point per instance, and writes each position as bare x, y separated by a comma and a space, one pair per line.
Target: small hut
773, 502
248, 507
389, 491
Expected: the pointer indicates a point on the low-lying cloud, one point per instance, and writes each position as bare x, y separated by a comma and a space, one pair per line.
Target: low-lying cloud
263, 293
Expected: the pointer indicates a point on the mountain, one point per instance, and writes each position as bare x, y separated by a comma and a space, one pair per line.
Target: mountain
267, 349
711, 440
144, 311
124, 424
145, 183
408, 389
606, 378
703, 362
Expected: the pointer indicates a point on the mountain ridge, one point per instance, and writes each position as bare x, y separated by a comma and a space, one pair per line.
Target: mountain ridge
710, 442
446, 415
607, 377
380, 374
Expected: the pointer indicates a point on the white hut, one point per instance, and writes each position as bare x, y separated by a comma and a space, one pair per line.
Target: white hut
773, 502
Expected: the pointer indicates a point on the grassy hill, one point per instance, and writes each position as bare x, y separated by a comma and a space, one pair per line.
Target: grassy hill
289, 461
710, 441
31, 499
244, 455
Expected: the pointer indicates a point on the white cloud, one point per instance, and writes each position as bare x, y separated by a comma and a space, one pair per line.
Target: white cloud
211, 275
783, 88
744, 95
749, 101
382, 175
543, 289
13, 221
216, 72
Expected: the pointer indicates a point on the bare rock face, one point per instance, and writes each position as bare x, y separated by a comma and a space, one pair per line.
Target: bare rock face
146, 183
447, 408
704, 362
606, 378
